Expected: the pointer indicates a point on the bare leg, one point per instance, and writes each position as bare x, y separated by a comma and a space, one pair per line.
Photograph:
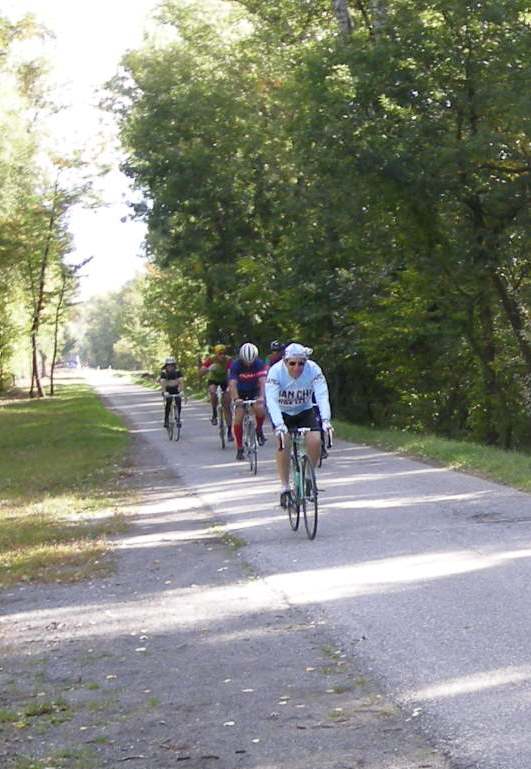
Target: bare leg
226, 408
213, 399
313, 446
282, 458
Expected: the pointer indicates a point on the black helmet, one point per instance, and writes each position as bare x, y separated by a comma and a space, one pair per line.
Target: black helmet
277, 346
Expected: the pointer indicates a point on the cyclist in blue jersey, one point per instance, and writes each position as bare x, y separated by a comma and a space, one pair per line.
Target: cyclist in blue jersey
246, 382
291, 386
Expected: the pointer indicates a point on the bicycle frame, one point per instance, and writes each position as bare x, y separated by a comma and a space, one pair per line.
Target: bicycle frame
250, 443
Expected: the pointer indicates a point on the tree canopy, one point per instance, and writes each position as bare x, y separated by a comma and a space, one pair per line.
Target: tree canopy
354, 175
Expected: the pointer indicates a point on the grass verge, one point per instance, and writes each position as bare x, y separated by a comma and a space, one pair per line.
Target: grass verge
509, 467
59, 495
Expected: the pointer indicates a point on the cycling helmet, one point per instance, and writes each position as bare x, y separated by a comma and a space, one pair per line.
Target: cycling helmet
169, 360
295, 350
248, 353
219, 348
277, 346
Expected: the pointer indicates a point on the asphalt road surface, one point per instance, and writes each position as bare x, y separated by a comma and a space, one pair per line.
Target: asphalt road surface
421, 573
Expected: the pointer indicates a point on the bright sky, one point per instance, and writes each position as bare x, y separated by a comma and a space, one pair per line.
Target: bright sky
90, 38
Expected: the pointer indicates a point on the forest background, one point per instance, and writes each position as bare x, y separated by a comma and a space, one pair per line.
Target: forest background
353, 175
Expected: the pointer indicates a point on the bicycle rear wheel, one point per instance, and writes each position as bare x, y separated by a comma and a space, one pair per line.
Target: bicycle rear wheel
309, 499
221, 423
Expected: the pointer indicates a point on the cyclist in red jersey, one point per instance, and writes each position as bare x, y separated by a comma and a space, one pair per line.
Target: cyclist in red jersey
246, 382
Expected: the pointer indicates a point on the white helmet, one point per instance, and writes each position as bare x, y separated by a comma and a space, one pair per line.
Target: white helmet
295, 350
248, 353
169, 361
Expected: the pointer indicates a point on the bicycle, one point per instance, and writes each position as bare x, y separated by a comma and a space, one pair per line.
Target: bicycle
305, 493
221, 416
174, 419
250, 441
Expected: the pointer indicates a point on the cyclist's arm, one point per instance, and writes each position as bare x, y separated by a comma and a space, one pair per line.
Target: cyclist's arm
272, 389
204, 367
261, 386
163, 381
320, 389
233, 389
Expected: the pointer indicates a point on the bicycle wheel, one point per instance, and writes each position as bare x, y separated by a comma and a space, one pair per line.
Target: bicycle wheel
251, 446
294, 504
309, 498
171, 423
221, 423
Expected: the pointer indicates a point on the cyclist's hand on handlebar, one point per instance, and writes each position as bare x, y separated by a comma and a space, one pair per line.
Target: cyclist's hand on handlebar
281, 431
329, 430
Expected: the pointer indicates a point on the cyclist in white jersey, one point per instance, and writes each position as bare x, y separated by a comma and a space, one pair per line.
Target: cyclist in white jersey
290, 386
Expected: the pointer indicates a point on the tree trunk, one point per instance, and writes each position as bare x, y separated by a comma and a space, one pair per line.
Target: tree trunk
36, 386
517, 318
58, 312
488, 363
39, 298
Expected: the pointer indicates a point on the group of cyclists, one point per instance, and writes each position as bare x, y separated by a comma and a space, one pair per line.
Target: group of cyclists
288, 385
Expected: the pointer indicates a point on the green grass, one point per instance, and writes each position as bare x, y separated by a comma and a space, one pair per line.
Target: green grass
61, 458
510, 467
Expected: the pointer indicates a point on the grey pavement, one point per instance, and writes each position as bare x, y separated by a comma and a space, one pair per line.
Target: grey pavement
420, 572
398, 639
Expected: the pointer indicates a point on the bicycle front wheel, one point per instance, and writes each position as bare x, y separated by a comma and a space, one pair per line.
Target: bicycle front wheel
171, 423
294, 504
309, 498
252, 447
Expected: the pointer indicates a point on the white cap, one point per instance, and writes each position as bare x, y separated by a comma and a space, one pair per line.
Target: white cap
295, 350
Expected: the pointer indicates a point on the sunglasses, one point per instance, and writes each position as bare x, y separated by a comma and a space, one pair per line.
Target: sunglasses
296, 362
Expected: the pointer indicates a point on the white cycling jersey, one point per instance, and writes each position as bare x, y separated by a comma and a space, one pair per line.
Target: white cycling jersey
286, 394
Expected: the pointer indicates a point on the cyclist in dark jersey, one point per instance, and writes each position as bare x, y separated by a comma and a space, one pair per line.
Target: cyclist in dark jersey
277, 352
171, 382
246, 382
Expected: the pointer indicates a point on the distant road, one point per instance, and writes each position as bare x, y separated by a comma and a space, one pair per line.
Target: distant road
422, 574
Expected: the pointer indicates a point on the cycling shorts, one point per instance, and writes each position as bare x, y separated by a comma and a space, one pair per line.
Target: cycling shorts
248, 395
304, 419
223, 385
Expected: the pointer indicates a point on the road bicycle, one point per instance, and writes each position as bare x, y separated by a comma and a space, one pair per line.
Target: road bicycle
250, 440
304, 492
174, 419
220, 410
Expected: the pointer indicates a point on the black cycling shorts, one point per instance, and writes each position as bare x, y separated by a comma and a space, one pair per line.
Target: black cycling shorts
223, 385
304, 419
248, 396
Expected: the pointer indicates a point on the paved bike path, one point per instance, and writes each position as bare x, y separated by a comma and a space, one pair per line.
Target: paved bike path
419, 572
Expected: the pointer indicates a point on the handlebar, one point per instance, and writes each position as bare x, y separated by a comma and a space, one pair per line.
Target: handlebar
302, 431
